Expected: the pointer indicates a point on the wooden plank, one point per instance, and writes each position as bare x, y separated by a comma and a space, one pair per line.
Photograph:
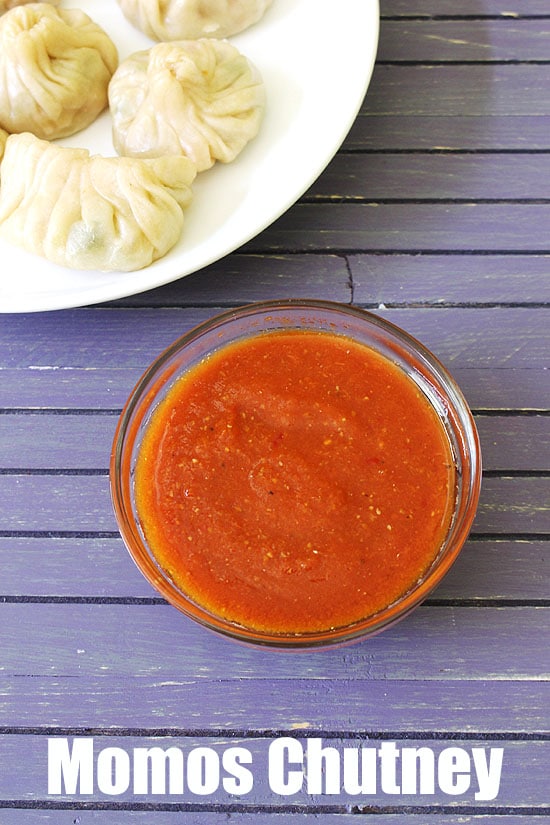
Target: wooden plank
126, 641
45, 567
107, 389
56, 441
67, 388
449, 133
43, 503
73, 441
465, 337
458, 177
450, 279
358, 705
92, 337
448, 8
508, 39
461, 89
500, 389
520, 783
162, 817
501, 570
240, 279
354, 704
519, 444
408, 227
513, 505
81, 504
476, 337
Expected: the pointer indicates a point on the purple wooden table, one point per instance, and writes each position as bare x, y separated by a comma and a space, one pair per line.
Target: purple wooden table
436, 215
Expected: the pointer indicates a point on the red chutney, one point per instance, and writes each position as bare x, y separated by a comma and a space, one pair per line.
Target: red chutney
294, 482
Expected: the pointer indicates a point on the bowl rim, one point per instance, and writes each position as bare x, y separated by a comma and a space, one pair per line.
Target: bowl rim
459, 529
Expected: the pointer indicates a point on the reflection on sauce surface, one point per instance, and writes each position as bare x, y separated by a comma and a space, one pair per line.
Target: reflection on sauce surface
295, 481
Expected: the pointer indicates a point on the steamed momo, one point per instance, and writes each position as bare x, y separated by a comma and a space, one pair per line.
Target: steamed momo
201, 98
3, 138
55, 67
91, 212
190, 19
6, 5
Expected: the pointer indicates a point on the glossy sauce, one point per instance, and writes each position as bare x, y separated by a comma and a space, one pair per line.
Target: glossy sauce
294, 482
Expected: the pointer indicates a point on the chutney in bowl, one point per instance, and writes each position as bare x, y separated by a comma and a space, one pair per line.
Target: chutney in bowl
295, 473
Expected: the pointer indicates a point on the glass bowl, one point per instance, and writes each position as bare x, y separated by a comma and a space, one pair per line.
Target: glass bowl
396, 348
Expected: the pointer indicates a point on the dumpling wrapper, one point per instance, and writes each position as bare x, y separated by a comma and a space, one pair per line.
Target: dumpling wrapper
91, 212
6, 5
3, 138
190, 19
201, 98
55, 68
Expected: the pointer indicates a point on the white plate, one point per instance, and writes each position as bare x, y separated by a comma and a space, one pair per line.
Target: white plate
316, 58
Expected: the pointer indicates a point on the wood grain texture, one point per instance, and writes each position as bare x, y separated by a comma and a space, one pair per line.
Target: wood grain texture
504, 709
402, 227
83, 442
468, 8
464, 90
240, 279
88, 816
449, 133
434, 177
41, 567
474, 337
510, 39
127, 641
439, 280
58, 816
69, 504
106, 389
